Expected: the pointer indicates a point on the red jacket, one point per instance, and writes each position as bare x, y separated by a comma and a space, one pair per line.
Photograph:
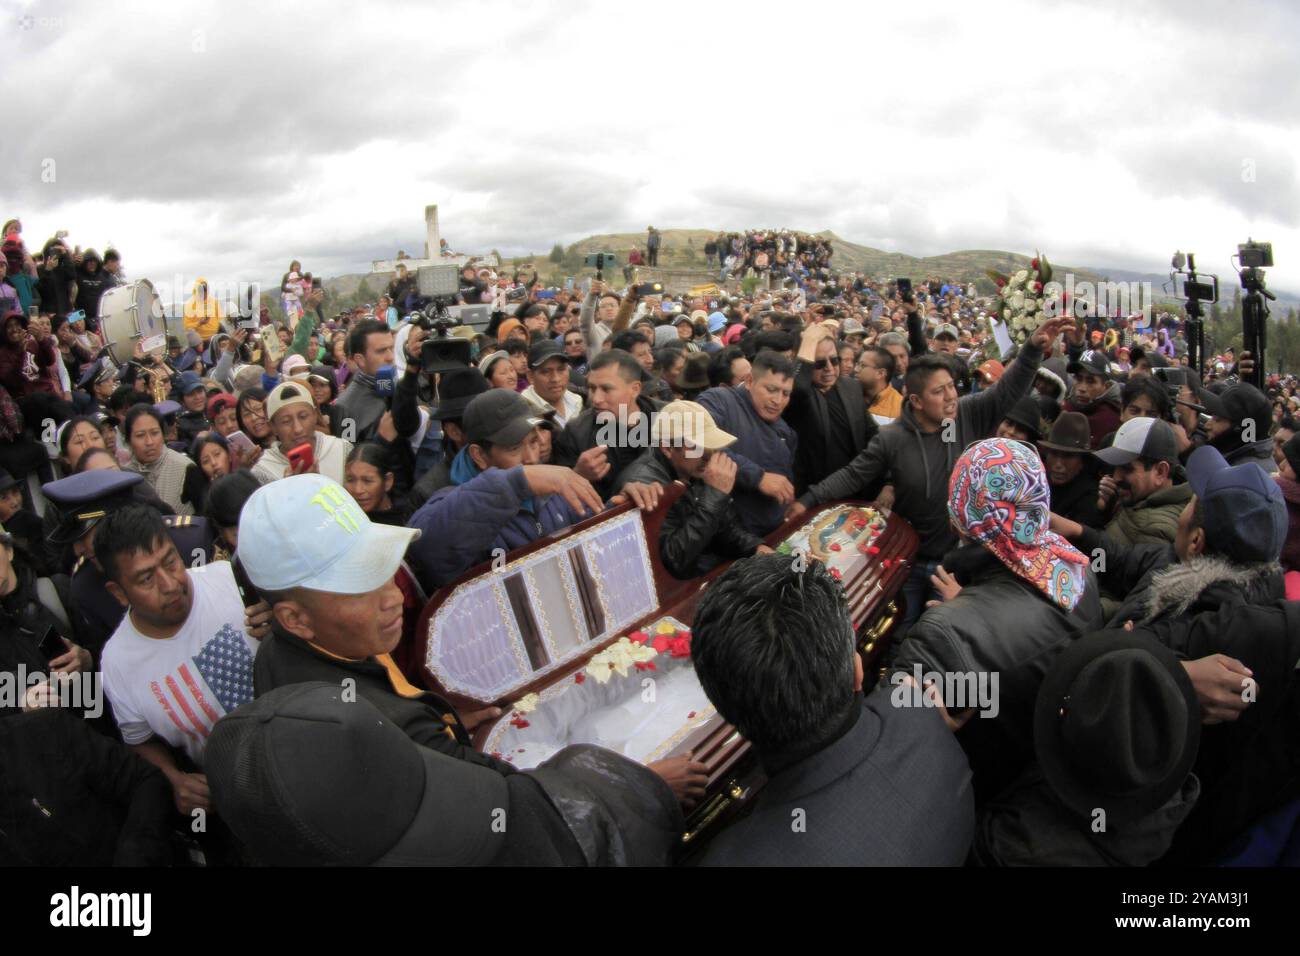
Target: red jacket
22, 368
1291, 549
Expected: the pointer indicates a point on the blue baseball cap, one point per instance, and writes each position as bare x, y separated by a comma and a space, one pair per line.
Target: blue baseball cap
189, 382
717, 322
306, 531
1244, 512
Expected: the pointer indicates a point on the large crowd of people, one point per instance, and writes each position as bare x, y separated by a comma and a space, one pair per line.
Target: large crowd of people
227, 531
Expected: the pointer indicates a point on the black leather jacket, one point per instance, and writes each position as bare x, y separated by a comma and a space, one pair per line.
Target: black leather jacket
701, 527
1000, 626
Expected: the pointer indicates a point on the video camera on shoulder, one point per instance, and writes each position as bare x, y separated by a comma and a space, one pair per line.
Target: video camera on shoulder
441, 351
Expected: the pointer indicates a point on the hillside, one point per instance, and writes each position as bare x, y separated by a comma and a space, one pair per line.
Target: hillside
684, 249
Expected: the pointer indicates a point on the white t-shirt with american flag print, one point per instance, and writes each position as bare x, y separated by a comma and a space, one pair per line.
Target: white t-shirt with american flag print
176, 688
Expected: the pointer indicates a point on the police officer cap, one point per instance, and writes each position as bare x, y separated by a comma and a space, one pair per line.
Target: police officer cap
85, 499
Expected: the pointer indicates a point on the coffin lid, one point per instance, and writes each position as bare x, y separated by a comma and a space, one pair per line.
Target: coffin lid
551, 607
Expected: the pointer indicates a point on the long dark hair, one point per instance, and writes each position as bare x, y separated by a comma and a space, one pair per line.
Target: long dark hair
250, 395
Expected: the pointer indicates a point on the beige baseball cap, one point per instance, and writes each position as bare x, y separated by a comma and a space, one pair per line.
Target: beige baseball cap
688, 425
288, 393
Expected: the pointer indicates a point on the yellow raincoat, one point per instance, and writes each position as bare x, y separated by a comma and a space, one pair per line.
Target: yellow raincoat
203, 312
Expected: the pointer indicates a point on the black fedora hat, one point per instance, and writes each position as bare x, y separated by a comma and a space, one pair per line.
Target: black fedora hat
1116, 725
1027, 415
695, 373
1070, 433
456, 388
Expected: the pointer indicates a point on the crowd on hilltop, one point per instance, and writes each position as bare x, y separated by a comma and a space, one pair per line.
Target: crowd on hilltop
227, 528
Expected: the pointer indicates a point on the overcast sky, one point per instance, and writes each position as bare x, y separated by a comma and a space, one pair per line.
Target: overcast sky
226, 138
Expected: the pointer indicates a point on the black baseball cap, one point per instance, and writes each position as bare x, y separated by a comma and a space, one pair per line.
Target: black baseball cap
1239, 404
499, 417
1141, 438
543, 351
306, 778
1093, 362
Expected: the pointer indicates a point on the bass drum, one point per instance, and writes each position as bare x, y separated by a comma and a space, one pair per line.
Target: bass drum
131, 313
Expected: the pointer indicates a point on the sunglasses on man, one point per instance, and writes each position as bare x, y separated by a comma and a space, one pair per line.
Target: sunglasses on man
822, 364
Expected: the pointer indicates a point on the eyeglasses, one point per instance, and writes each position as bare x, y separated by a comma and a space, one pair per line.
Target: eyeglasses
822, 364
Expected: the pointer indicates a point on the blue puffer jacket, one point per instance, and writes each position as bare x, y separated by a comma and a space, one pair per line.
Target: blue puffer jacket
480, 511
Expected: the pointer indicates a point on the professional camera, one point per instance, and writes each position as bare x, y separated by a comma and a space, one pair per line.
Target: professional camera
441, 351
1255, 255
517, 294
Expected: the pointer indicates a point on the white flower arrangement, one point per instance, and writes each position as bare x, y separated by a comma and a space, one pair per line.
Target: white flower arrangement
618, 658
1021, 294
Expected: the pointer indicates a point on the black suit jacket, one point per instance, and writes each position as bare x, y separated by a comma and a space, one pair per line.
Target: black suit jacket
894, 790
808, 414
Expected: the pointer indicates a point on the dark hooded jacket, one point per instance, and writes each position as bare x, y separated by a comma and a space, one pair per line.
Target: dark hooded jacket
1148, 583
90, 286
999, 625
1251, 765
1102, 413
1028, 825
920, 463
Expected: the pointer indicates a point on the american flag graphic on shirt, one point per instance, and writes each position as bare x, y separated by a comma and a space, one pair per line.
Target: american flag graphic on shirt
225, 666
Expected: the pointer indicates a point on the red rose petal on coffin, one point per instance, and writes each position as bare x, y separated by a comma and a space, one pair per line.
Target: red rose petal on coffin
691, 715
579, 677
519, 722
835, 573
639, 636
873, 549
835, 547
644, 665
661, 642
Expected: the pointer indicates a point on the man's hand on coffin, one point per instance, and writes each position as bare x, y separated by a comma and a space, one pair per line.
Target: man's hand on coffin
764, 549
593, 464
558, 480
795, 510
685, 776
473, 718
720, 473
644, 495
885, 500
776, 486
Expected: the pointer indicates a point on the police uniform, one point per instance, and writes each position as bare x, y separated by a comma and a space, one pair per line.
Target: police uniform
85, 500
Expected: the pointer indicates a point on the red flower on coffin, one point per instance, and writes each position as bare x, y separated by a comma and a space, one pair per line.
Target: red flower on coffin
873, 549
835, 547
639, 636
835, 573
681, 645
691, 715
518, 721
1033, 263
662, 642
644, 665
579, 677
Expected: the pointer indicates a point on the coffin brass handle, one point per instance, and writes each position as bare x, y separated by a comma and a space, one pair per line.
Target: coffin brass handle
881, 626
713, 807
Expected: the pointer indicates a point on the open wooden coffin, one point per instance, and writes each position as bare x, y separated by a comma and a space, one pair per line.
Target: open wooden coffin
584, 637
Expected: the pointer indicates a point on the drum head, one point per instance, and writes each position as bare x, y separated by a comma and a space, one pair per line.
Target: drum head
129, 313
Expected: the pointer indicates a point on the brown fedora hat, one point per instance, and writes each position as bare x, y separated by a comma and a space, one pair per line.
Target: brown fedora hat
1070, 433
